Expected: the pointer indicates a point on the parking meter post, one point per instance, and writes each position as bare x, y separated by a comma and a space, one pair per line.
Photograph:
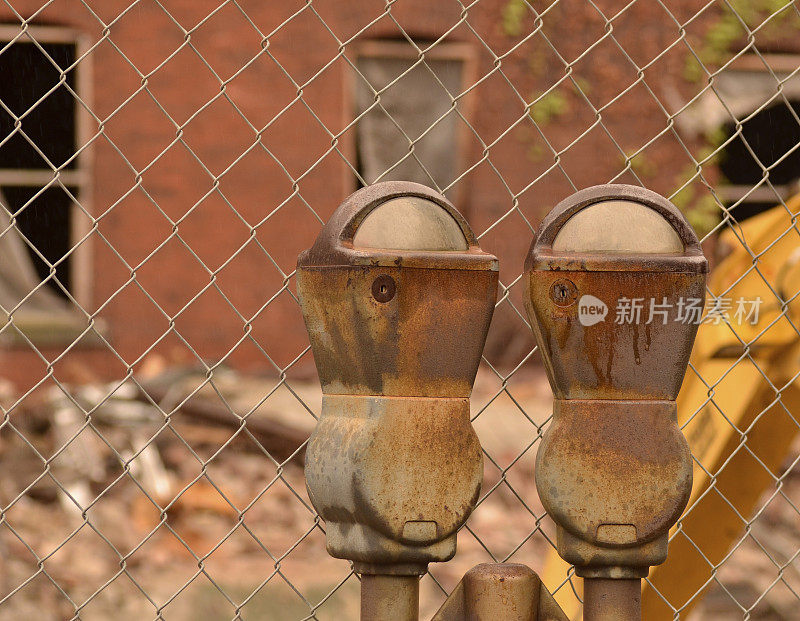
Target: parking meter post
507, 591
397, 297
606, 279
389, 598
606, 599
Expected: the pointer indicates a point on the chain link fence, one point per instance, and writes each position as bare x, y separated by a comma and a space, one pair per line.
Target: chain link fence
163, 162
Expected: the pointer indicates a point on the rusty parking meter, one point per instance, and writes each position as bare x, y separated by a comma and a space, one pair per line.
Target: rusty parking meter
615, 284
397, 298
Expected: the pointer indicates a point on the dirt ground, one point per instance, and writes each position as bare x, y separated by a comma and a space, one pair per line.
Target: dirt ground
204, 524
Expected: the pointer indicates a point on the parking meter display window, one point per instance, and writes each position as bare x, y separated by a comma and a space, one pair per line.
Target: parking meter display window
410, 223
618, 226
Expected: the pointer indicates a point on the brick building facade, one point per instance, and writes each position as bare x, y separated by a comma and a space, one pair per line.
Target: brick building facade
212, 134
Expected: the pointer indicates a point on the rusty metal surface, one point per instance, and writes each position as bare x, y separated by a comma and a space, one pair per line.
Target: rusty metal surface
610, 360
393, 478
587, 262
615, 475
611, 600
493, 591
613, 469
426, 340
389, 598
394, 466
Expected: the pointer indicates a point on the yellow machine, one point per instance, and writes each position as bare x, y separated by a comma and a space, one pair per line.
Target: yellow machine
739, 407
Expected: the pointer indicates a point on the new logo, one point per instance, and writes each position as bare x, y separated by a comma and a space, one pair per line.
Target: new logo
591, 310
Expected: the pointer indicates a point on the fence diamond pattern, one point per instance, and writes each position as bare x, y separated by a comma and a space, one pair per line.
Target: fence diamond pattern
141, 475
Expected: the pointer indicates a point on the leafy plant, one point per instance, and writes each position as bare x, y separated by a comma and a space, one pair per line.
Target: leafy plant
550, 106
697, 204
733, 24
513, 15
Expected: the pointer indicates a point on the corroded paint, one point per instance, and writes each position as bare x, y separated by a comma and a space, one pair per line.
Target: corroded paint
380, 469
425, 341
614, 474
385, 597
609, 360
612, 600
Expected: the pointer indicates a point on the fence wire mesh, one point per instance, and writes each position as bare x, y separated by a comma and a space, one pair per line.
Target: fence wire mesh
163, 162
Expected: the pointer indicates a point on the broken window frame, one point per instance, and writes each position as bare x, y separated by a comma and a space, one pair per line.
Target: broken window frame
401, 49
707, 113
61, 329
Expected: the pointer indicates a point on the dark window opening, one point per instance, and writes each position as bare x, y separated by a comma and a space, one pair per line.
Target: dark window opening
30, 88
771, 134
28, 75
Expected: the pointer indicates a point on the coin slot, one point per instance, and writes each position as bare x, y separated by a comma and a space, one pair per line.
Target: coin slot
383, 288
563, 292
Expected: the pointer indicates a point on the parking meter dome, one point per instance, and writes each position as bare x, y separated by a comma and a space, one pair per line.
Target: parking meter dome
410, 223
618, 227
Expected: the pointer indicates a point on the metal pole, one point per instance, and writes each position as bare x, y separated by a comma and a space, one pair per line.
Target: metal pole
606, 599
389, 598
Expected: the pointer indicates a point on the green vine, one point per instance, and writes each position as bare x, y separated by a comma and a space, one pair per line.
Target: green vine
514, 13
715, 47
640, 164
550, 106
699, 207
769, 18
772, 19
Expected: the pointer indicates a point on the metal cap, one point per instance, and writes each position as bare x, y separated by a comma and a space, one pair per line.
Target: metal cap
396, 224
616, 228
410, 223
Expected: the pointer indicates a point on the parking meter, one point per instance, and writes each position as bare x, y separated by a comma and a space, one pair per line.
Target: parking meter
397, 298
615, 284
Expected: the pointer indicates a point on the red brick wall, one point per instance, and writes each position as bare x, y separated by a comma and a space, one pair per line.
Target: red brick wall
174, 186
